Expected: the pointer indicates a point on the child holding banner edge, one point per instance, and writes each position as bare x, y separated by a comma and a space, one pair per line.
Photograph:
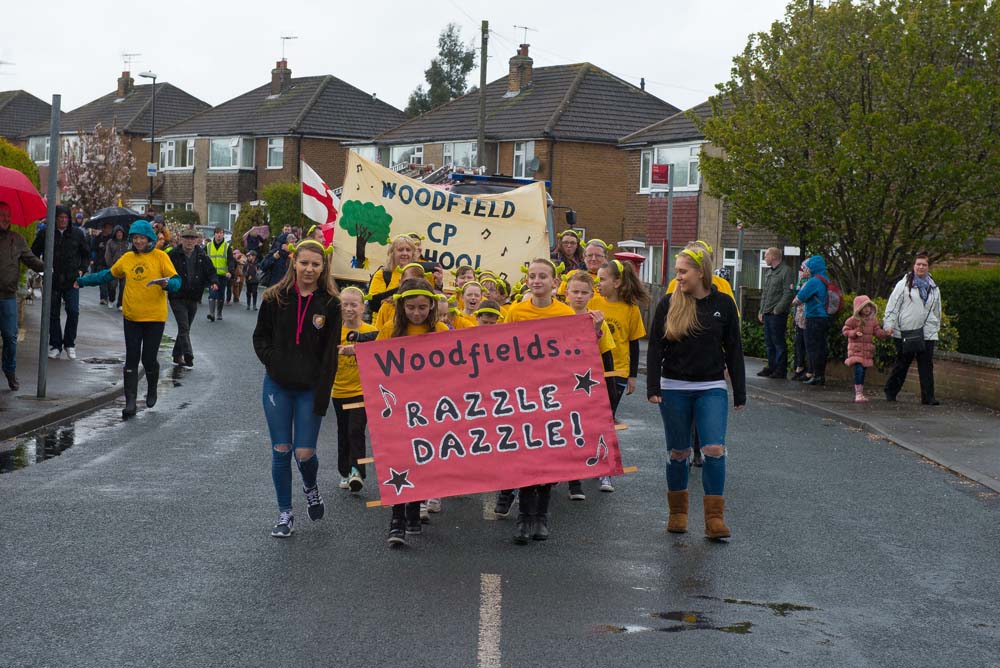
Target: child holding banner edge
542, 280
696, 339
296, 336
416, 313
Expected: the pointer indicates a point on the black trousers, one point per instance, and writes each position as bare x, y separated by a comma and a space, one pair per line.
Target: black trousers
142, 342
251, 294
816, 344
774, 340
925, 368
184, 312
801, 361
351, 425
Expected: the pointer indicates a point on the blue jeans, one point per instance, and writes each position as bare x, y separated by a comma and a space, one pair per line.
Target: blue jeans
58, 338
8, 329
774, 340
708, 411
291, 422
859, 374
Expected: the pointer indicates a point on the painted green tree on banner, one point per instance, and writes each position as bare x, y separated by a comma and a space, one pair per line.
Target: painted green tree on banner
366, 222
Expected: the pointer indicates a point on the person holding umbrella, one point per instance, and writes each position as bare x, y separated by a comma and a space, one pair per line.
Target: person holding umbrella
14, 251
70, 258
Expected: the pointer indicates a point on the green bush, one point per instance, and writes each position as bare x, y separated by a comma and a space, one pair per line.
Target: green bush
250, 216
284, 205
885, 349
14, 158
970, 293
182, 217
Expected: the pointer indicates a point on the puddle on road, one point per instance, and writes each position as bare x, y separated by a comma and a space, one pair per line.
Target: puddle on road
779, 609
691, 621
55, 440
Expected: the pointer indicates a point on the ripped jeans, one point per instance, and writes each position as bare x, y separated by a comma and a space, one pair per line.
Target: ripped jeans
707, 410
291, 422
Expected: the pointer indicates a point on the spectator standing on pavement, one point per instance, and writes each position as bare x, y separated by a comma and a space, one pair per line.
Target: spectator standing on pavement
115, 248
98, 246
70, 258
196, 273
251, 274
14, 251
915, 304
221, 255
695, 339
801, 362
859, 330
296, 339
813, 297
775, 301
149, 275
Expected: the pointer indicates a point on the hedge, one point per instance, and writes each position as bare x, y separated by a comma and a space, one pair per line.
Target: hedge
971, 293
885, 349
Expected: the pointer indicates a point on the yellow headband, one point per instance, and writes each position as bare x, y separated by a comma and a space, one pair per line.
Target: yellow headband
705, 245
695, 255
414, 293
621, 269
575, 233
351, 288
598, 242
415, 236
471, 283
310, 242
487, 310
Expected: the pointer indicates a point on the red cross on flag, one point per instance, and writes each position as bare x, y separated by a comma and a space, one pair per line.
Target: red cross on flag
318, 201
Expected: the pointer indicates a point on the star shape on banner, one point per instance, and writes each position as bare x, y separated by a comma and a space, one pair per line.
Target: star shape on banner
584, 381
398, 479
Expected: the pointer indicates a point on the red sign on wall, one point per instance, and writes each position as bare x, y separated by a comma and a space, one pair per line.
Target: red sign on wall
660, 175
488, 408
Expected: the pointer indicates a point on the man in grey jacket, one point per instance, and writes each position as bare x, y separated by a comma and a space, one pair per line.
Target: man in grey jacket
13, 251
775, 302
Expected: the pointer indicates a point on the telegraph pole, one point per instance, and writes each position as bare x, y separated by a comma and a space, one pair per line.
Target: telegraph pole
481, 143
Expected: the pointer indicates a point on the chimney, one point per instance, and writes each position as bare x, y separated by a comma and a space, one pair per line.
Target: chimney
281, 77
520, 71
642, 83
125, 84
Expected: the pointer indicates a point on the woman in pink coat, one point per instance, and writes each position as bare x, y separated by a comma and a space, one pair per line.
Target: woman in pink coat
859, 330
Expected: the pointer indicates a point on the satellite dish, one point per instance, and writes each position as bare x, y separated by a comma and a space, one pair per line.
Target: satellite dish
533, 165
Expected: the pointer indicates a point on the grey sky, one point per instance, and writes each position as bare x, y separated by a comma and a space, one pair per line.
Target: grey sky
218, 49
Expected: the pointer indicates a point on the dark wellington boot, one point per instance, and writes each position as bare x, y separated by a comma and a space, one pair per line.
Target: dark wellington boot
131, 390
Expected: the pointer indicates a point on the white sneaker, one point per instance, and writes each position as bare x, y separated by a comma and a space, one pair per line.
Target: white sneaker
434, 505
54, 353
606, 485
344, 484
71, 353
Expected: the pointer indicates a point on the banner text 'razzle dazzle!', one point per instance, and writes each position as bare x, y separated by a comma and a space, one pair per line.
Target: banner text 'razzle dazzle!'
497, 232
488, 408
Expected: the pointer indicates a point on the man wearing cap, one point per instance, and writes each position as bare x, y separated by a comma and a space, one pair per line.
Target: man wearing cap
221, 255
13, 251
70, 257
196, 272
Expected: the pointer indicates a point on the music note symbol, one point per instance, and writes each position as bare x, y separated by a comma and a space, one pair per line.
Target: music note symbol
592, 461
357, 169
386, 395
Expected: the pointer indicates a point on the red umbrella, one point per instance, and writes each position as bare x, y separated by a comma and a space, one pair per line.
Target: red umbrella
26, 205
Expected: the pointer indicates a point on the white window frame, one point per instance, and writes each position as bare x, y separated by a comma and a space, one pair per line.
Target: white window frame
416, 159
276, 144
648, 157
234, 213
33, 147
189, 206
526, 151
169, 206
176, 154
239, 148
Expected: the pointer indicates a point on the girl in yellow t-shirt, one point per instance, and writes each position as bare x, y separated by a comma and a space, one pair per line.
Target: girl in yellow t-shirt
533, 520
387, 311
472, 297
351, 422
416, 313
149, 274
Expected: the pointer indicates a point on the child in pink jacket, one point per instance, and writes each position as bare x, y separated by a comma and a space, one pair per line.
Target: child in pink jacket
859, 330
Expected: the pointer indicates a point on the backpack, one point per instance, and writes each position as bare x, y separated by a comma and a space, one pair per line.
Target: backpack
834, 298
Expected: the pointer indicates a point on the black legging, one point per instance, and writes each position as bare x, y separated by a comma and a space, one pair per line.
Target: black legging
142, 342
350, 435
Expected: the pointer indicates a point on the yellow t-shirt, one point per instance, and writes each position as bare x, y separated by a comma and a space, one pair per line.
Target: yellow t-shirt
625, 323
718, 281
607, 341
528, 311
385, 314
562, 286
348, 382
411, 330
141, 303
378, 285
464, 321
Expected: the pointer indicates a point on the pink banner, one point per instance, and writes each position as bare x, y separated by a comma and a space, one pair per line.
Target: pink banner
488, 408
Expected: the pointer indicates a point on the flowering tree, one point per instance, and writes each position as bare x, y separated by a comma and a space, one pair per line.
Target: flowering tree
96, 172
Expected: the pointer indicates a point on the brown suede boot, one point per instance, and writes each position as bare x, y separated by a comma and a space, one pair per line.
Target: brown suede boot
678, 503
715, 526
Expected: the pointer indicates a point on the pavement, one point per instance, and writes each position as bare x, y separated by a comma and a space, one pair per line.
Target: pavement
76, 386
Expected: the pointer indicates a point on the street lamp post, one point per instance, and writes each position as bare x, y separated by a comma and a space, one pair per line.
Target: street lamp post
152, 135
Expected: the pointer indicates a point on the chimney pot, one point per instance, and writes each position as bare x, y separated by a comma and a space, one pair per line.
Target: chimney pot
281, 77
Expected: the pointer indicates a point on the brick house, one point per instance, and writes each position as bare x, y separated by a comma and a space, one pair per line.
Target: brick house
558, 123
216, 161
129, 108
676, 141
21, 112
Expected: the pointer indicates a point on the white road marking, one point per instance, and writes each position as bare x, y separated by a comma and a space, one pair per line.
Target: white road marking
489, 621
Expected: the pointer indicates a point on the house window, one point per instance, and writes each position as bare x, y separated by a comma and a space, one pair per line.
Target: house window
407, 155
461, 154
38, 149
176, 153
231, 153
234, 213
169, 206
190, 152
683, 160
275, 152
750, 269
524, 152
189, 206
218, 214
367, 152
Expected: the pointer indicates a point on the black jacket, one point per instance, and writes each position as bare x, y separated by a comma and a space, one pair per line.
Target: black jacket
312, 363
70, 258
704, 356
272, 268
192, 287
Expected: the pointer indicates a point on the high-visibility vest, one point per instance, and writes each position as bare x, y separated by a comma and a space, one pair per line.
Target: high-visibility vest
219, 255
